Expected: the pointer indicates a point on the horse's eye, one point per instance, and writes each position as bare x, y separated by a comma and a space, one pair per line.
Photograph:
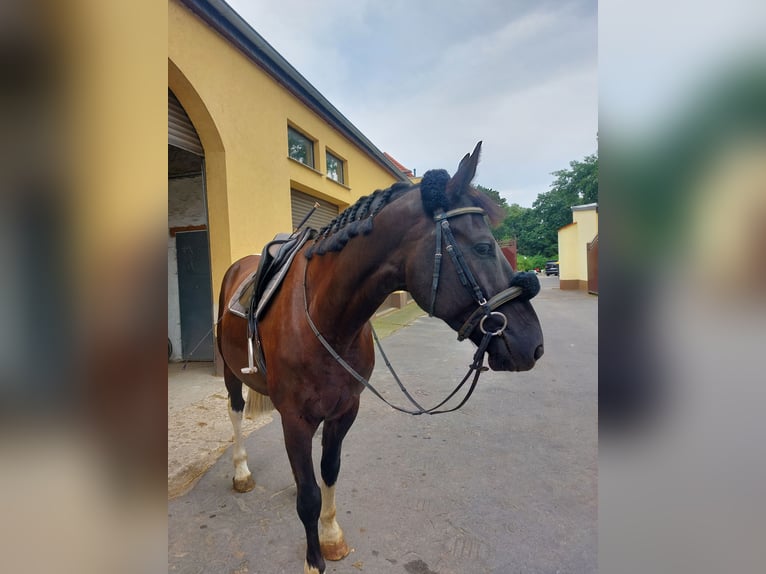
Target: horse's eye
484, 249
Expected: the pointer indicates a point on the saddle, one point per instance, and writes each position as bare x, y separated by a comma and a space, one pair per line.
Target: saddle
253, 296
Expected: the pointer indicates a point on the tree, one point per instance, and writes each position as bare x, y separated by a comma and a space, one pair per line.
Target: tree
530, 263
575, 186
536, 229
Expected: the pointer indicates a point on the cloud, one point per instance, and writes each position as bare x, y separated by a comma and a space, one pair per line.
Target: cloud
425, 82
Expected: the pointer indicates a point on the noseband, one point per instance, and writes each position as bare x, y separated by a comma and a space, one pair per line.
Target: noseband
486, 309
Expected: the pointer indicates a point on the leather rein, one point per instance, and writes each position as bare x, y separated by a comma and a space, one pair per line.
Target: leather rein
485, 311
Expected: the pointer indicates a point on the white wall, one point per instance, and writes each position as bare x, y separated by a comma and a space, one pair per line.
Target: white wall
174, 310
186, 202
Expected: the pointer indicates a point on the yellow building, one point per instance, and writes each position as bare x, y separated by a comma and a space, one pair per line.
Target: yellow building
251, 146
576, 241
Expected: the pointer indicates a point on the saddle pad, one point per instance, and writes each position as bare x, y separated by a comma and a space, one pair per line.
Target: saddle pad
241, 298
240, 301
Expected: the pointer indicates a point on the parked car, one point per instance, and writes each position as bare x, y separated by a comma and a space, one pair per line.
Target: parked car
551, 268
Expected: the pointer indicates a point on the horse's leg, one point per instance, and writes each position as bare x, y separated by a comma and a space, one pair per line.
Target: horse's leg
243, 479
298, 434
331, 538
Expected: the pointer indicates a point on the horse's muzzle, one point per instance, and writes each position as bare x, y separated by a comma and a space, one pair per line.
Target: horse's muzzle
506, 354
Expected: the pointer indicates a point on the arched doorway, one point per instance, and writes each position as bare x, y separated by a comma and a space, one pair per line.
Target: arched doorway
190, 297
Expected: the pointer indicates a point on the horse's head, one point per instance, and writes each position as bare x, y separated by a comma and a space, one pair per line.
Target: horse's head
471, 286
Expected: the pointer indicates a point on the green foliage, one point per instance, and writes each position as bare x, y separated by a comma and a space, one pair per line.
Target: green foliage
575, 186
530, 263
536, 229
580, 182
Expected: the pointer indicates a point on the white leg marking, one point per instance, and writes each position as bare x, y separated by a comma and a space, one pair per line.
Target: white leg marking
241, 471
309, 570
329, 531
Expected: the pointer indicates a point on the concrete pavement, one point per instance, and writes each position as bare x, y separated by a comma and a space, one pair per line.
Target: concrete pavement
507, 484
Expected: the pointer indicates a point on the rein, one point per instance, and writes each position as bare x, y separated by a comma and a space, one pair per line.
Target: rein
485, 311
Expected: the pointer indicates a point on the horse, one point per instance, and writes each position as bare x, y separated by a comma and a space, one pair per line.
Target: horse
316, 339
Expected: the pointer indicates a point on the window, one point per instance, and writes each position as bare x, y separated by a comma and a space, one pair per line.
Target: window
299, 147
335, 168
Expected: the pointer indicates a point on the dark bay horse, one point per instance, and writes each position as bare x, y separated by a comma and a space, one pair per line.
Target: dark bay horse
385, 242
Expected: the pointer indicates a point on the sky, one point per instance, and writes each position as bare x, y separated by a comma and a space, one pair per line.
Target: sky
425, 80
651, 68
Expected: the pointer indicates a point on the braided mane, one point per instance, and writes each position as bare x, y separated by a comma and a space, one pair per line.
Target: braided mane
354, 220
357, 219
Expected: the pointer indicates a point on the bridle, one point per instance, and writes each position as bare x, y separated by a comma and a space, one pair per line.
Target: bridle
486, 310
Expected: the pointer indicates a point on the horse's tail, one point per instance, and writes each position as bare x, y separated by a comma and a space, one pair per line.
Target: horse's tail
257, 404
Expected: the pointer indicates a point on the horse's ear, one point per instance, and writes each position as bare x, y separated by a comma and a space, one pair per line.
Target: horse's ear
463, 161
465, 173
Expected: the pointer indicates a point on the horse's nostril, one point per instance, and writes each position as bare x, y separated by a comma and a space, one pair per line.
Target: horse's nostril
539, 352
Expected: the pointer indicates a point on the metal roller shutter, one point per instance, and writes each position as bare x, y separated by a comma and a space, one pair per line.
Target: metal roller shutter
181, 132
302, 203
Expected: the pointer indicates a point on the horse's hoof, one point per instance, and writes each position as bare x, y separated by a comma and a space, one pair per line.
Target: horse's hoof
335, 551
244, 485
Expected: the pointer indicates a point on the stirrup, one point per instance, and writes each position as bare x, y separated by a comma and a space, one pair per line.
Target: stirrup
250, 369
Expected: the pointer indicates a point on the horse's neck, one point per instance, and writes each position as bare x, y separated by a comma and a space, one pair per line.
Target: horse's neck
354, 282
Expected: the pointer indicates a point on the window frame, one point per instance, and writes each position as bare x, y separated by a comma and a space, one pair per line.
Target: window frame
341, 162
311, 147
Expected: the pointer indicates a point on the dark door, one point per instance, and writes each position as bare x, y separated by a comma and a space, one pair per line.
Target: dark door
593, 266
195, 295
